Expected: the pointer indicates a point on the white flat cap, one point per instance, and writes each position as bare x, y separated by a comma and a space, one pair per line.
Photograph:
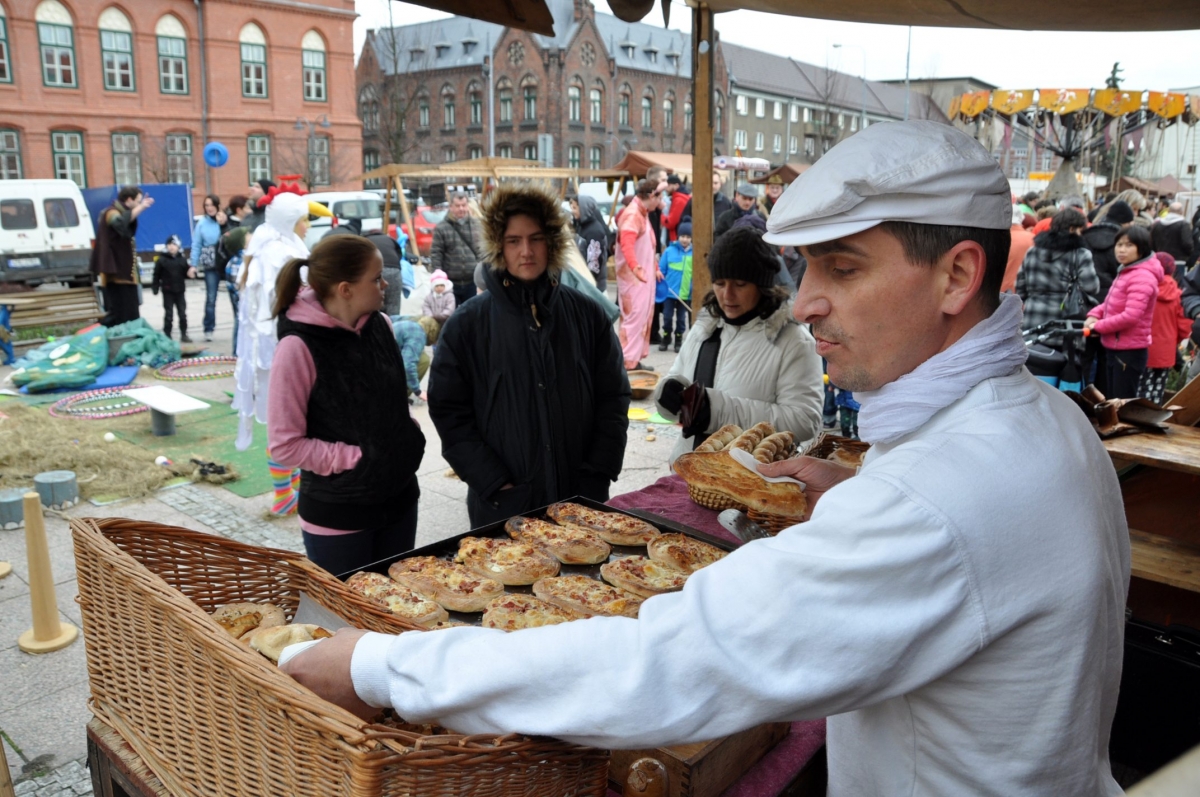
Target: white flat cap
922, 172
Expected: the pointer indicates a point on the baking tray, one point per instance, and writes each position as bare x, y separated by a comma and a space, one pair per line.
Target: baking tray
447, 548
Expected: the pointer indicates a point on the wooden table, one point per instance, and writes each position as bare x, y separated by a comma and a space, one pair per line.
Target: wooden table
117, 771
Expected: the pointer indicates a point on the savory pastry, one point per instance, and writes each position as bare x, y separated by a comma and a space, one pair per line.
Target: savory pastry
271, 641
571, 545
713, 478
643, 576
683, 553
614, 528
507, 561
775, 447
749, 439
844, 456
514, 612
587, 596
718, 440
455, 587
396, 598
239, 619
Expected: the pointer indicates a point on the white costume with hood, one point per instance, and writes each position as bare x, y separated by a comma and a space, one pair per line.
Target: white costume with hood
956, 609
274, 243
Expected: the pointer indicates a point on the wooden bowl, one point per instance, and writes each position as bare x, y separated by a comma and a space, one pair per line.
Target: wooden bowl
643, 383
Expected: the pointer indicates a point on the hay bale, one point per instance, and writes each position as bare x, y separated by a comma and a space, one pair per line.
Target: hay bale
32, 441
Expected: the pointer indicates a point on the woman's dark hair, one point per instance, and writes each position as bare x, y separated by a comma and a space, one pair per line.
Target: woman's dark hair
335, 259
769, 301
216, 202
1139, 237
1066, 220
237, 202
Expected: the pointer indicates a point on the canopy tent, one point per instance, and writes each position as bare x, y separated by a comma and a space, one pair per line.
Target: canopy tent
638, 163
1152, 188
787, 172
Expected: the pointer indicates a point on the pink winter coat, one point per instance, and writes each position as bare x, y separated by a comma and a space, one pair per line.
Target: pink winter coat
1127, 314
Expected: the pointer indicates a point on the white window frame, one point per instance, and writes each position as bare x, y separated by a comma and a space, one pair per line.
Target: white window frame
6, 75
740, 139
647, 112
180, 166
127, 158
371, 161
596, 158
777, 111
742, 104
254, 70
172, 65
793, 145
794, 113
596, 106
504, 150
258, 157
315, 76
70, 163
759, 140
777, 144
10, 153
54, 43
116, 59
574, 156
574, 104
530, 152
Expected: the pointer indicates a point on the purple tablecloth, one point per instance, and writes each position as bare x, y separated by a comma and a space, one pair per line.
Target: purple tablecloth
669, 497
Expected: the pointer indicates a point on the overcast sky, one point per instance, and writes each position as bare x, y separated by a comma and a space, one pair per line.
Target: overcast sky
1009, 59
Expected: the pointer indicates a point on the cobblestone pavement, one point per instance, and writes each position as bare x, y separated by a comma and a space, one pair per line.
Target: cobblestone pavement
228, 520
69, 780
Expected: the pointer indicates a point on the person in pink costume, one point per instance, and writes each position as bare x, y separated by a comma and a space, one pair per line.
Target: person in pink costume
637, 273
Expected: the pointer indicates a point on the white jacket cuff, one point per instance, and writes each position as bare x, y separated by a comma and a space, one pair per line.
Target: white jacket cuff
369, 671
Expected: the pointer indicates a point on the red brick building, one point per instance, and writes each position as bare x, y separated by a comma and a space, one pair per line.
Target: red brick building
596, 89
103, 92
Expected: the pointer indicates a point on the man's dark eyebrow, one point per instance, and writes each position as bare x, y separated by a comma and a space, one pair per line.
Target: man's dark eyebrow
835, 247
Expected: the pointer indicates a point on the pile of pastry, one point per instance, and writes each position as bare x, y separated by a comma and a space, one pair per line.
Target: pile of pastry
264, 627
717, 481
424, 589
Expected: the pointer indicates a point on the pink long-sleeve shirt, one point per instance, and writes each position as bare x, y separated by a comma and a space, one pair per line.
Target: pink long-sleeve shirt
293, 374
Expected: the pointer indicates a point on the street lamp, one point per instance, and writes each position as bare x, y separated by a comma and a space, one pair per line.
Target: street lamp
862, 124
302, 123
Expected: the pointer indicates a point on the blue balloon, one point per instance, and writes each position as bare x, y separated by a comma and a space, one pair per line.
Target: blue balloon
216, 154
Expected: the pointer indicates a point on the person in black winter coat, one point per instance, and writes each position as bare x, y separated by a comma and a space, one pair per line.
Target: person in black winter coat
528, 390
171, 270
721, 202
589, 224
1100, 239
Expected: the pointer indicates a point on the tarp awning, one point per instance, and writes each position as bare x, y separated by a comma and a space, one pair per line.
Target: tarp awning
787, 172
638, 163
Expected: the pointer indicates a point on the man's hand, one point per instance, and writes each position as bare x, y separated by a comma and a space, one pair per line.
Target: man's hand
819, 476
146, 202
325, 669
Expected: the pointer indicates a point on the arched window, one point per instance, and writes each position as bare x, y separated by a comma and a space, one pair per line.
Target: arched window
312, 55
574, 156
371, 161
596, 103
449, 154
172, 55
116, 50
504, 98
56, 38
447, 107
669, 112
597, 158
529, 96
648, 109
475, 101
254, 60
575, 103
623, 107
423, 108
530, 151
368, 109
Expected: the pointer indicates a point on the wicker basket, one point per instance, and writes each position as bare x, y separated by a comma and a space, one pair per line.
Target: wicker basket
771, 523
826, 444
713, 500
209, 716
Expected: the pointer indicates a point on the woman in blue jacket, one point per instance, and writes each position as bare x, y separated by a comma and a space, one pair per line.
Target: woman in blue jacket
204, 257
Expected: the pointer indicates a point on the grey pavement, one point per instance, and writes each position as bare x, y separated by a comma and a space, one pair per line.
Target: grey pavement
43, 700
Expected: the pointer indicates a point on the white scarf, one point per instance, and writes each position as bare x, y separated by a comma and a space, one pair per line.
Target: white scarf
993, 347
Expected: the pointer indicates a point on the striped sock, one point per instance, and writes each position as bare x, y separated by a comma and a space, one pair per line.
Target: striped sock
285, 494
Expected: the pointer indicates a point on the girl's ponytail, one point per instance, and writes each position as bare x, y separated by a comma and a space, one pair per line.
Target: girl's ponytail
287, 285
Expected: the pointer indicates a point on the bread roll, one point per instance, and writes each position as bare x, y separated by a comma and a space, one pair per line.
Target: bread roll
749, 439
721, 438
271, 641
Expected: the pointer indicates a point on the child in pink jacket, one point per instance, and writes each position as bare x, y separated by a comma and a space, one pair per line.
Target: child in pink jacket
440, 303
1125, 318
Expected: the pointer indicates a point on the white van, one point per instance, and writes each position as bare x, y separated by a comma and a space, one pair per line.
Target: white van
46, 232
365, 207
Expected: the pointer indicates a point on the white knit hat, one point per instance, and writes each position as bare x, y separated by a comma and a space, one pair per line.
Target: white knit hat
922, 172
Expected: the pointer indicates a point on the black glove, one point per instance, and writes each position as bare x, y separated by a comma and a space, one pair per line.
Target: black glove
697, 412
671, 397
1196, 331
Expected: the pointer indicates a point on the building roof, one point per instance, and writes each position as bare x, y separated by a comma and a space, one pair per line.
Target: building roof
421, 36
776, 74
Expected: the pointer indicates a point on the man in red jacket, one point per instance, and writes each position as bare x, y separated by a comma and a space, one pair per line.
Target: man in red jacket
680, 196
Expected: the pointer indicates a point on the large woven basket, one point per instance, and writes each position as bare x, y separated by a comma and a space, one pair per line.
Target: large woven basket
209, 716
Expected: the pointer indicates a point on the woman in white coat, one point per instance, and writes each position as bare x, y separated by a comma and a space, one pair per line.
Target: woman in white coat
755, 361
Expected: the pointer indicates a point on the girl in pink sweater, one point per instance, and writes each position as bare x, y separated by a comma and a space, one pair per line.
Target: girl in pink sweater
1125, 318
337, 409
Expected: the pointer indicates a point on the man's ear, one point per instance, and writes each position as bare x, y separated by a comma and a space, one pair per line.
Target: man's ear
963, 269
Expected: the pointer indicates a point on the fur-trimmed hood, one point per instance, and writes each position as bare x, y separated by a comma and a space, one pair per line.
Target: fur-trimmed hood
521, 197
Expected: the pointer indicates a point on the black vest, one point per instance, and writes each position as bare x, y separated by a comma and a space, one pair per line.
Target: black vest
359, 398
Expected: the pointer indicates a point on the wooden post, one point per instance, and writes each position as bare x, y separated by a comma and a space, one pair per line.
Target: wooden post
6, 784
612, 214
703, 45
48, 633
412, 231
387, 203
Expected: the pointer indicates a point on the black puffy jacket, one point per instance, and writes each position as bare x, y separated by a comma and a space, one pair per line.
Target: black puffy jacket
1100, 238
536, 401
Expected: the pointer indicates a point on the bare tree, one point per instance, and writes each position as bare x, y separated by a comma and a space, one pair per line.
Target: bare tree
154, 158
319, 163
829, 90
402, 92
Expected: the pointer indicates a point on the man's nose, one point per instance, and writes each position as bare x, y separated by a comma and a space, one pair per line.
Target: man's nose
810, 303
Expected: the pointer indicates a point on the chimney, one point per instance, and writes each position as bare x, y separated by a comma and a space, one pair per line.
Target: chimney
581, 9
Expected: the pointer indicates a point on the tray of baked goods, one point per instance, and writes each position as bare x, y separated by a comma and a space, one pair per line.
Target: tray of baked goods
566, 561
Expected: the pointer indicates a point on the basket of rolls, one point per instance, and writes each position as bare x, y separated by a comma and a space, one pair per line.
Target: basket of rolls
841, 450
183, 630
717, 481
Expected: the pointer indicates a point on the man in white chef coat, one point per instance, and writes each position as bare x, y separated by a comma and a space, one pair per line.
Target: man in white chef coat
955, 607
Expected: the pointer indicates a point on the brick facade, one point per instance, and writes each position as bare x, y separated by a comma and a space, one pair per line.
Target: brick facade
33, 109
581, 59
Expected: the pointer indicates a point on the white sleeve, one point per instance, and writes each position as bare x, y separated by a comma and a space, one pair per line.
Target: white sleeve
866, 601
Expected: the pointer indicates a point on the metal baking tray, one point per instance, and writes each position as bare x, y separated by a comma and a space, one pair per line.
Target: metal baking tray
447, 548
